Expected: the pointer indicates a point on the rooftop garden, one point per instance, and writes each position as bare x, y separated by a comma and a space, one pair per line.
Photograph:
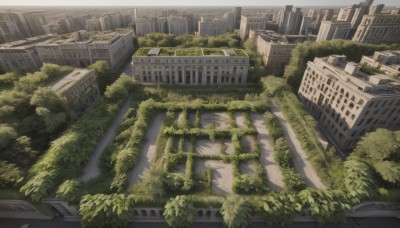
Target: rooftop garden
213, 51
169, 51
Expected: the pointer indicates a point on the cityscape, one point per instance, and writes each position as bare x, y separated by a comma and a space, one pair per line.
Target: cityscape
215, 113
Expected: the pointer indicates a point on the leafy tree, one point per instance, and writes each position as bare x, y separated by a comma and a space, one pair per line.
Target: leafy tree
153, 181
69, 190
7, 134
178, 211
10, 174
105, 76
54, 70
275, 86
379, 145
103, 210
389, 171
40, 185
325, 205
280, 208
7, 80
236, 211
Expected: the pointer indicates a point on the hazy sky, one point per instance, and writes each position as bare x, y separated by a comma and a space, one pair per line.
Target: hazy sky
192, 2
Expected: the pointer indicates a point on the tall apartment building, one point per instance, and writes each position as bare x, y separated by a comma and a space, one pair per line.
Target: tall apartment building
377, 9
379, 28
22, 55
93, 24
83, 49
144, 26
230, 18
79, 87
318, 16
355, 13
106, 23
212, 26
178, 25
333, 30
305, 24
238, 16
386, 61
289, 21
11, 28
347, 102
258, 22
347, 13
275, 48
161, 25
33, 22
192, 66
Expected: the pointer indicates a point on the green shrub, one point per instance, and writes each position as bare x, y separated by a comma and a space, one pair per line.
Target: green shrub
69, 191
179, 211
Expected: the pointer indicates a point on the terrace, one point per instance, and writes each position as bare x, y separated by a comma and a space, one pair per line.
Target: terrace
189, 52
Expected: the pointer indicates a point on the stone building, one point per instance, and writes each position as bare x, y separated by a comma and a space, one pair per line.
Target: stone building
178, 25
386, 61
379, 28
347, 102
331, 30
144, 26
289, 21
212, 26
22, 55
275, 48
79, 87
191, 66
258, 22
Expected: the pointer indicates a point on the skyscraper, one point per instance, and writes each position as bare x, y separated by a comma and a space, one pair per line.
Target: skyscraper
289, 21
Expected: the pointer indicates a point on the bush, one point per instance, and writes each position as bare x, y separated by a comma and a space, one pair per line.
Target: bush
236, 211
69, 191
179, 211
273, 126
293, 181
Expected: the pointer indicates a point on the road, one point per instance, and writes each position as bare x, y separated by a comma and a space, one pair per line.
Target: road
128, 69
300, 158
351, 223
92, 168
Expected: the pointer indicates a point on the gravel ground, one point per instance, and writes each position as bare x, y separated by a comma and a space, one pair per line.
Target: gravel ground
248, 143
239, 119
222, 174
301, 162
219, 119
149, 149
206, 147
274, 174
247, 168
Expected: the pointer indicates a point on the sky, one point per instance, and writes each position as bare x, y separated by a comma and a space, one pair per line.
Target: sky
192, 2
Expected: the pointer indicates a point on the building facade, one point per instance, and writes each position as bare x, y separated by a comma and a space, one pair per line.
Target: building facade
330, 30
178, 25
377, 29
258, 22
289, 21
22, 55
79, 87
212, 26
386, 61
347, 102
196, 66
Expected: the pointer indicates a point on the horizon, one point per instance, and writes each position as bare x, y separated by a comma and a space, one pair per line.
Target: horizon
183, 3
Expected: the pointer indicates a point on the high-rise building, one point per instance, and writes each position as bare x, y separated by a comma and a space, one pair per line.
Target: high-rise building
93, 24
355, 13
333, 30
379, 28
347, 102
289, 21
377, 9
144, 26
162, 25
106, 23
305, 24
212, 26
230, 18
347, 13
177, 25
257, 22
192, 66
238, 16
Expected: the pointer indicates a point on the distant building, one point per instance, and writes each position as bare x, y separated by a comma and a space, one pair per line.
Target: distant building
289, 21
258, 22
386, 61
319, 15
83, 49
276, 49
106, 23
212, 26
93, 25
79, 87
333, 30
191, 66
347, 102
378, 29
347, 13
305, 24
33, 22
144, 26
161, 25
230, 18
238, 16
178, 25
377, 9
22, 55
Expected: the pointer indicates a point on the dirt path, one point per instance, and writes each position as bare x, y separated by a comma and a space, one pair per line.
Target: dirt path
301, 162
274, 174
149, 149
91, 170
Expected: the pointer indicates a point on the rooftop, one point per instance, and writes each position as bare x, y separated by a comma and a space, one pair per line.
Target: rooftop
62, 84
190, 52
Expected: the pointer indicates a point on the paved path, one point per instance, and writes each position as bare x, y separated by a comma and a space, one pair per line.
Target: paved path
92, 168
301, 162
274, 174
149, 149
221, 173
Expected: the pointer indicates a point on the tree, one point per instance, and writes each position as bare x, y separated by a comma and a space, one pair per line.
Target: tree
275, 86
104, 74
178, 211
236, 211
7, 134
379, 145
280, 208
69, 190
103, 210
10, 174
250, 45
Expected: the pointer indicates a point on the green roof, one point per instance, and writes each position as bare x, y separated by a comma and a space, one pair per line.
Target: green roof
170, 51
